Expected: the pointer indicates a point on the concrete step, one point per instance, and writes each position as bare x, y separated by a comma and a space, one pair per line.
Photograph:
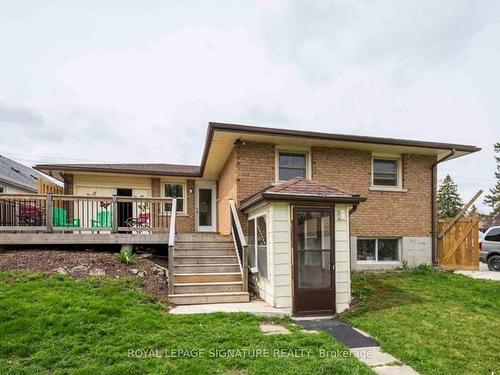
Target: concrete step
204, 252
206, 277
206, 268
200, 237
228, 286
205, 259
198, 298
204, 245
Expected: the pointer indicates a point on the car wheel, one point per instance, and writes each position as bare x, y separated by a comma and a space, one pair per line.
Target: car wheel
494, 263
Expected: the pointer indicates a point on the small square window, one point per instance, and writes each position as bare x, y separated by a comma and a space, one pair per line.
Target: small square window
2, 189
366, 249
385, 172
174, 191
292, 164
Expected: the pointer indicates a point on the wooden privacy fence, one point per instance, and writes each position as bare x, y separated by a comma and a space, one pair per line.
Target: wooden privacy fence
458, 246
44, 186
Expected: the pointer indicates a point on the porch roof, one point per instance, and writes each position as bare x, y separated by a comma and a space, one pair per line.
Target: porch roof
301, 189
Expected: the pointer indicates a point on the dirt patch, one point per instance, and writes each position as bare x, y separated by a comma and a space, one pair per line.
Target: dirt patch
82, 264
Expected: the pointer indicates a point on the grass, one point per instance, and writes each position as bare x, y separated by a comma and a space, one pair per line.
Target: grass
57, 325
436, 322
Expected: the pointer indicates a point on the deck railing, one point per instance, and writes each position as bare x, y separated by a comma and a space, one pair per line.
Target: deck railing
73, 213
241, 244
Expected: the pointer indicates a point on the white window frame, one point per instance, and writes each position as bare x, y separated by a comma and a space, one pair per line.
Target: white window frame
294, 150
399, 171
254, 218
184, 195
397, 261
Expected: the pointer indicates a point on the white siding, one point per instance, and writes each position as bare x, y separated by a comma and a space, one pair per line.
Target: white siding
342, 259
276, 289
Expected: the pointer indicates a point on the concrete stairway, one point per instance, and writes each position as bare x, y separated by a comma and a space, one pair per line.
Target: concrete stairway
206, 270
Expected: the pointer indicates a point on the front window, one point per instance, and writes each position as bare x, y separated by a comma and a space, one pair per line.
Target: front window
292, 164
257, 244
2, 189
385, 172
378, 249
174, 191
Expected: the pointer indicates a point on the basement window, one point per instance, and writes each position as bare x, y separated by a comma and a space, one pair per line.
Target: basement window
378, 249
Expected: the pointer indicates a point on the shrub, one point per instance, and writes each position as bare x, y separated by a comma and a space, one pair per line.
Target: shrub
126, 256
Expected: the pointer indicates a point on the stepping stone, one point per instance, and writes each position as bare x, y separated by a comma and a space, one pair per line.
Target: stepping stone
273, 329
374, 356
97, 272
394, 370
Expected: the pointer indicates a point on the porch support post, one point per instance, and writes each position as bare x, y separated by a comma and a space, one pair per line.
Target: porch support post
114, 211
48, 213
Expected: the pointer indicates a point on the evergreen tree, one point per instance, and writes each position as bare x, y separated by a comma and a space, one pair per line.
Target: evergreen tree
493, 199
449, 202
473, 211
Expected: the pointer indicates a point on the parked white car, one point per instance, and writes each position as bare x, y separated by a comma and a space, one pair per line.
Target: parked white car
489, 248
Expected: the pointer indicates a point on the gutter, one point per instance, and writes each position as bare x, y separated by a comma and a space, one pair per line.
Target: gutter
434, 204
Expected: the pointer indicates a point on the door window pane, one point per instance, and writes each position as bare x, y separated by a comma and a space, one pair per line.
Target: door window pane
313, 249
251, 243
366, 249
205, 207
385, 172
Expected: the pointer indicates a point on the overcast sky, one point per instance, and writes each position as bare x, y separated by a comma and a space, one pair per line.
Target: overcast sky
138, 81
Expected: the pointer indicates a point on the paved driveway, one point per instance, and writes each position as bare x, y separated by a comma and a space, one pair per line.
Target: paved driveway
483, 273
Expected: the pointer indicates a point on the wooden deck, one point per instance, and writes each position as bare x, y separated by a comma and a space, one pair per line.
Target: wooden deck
54, 219
83, 239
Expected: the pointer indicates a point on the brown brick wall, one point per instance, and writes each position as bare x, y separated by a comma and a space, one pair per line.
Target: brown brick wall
226, 188
383, 214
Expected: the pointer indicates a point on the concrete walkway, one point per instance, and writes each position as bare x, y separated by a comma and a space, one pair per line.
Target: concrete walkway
254, 307
483, 273
379, 361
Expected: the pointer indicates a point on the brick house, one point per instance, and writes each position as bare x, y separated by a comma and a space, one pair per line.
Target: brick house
312, 207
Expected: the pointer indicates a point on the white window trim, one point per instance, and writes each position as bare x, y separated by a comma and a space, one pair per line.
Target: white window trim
255, 269
293, 149
376, 261
399, 167
184, 195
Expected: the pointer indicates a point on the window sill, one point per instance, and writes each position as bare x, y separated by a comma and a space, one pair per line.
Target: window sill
395, 262
389, 189
179, 214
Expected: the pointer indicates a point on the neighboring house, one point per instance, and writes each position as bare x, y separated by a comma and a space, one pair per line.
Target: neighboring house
16, 178
313, 206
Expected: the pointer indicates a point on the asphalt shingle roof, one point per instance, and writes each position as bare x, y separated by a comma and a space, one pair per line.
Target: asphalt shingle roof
17, 173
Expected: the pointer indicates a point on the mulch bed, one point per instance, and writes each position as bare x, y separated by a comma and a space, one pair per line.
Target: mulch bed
83, 264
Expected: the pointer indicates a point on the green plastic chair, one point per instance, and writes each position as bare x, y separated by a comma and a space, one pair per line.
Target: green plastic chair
104, 220
60, 218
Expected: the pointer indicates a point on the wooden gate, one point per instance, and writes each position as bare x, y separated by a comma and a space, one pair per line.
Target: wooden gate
458, 246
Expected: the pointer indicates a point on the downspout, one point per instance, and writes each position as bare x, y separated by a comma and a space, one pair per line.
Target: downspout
434, 204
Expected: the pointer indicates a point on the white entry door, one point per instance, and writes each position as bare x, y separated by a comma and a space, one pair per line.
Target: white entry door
205, 206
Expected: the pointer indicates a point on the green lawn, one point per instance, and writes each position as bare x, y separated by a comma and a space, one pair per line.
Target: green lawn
436, 322
56, 325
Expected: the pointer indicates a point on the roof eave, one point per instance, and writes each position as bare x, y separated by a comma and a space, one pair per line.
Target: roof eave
47, 167
298, 198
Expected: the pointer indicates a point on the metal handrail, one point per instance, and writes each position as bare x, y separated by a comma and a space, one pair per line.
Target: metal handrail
171, 245
240, 243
